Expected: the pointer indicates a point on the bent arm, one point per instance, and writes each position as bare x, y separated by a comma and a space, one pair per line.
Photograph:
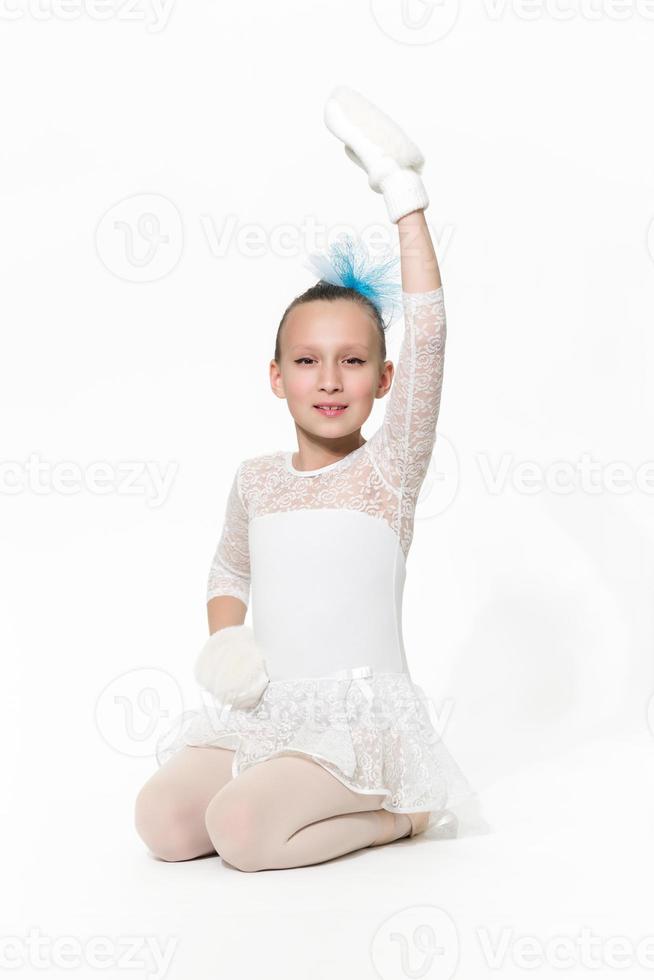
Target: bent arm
228, 586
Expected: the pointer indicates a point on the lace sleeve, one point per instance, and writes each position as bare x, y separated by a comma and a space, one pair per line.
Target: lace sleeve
403, 444
230, 568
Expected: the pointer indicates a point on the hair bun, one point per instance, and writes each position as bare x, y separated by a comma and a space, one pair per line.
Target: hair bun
347, 262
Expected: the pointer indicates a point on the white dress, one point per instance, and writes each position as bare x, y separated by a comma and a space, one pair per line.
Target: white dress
324, 553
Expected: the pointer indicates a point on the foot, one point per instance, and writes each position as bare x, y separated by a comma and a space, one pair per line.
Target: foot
419, 822
393, 826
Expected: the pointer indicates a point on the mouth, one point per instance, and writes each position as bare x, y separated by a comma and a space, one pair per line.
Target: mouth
330, 408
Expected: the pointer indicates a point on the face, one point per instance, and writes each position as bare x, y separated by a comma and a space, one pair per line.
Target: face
330, 354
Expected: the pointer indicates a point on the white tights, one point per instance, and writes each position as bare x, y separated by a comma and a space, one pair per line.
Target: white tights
285, 812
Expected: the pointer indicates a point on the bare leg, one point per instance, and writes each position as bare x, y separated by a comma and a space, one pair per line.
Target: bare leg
288, 812
170, 808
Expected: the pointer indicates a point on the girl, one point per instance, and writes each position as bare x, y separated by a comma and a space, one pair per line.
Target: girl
323, 744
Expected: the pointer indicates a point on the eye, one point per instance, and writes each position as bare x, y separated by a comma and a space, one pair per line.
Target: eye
310, 360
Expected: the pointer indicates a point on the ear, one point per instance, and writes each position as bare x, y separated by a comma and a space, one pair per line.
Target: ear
276, 382
385, 379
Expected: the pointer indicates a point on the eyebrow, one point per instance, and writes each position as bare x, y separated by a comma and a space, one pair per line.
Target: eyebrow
308, 347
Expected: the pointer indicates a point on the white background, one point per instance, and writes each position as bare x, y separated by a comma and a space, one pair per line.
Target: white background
528, 612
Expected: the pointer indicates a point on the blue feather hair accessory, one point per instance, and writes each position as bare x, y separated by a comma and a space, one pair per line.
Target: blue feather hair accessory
347, 262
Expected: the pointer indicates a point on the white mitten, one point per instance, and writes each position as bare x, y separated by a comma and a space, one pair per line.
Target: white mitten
372, 140
231, 666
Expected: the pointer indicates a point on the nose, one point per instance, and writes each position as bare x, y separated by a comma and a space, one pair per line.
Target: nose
330, 381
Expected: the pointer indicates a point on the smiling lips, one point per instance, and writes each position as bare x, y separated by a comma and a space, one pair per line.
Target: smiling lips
330, 408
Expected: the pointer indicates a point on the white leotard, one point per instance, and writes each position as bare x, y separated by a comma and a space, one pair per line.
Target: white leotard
323, 549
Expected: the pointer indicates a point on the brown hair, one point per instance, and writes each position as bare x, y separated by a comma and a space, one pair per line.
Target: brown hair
330, 291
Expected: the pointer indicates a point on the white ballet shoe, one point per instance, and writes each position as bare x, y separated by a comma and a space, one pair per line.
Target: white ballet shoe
379, 146
232, 667
445, 825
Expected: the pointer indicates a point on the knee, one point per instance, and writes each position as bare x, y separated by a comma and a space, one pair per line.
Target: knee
236, 832
164, 824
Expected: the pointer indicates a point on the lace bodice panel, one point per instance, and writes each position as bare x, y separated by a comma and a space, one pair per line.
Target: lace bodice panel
382, 478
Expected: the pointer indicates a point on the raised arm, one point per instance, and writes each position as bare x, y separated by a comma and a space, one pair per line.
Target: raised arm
418, 262
404, 443
228, 586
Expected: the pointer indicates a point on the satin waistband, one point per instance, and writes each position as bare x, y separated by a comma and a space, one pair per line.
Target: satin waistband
346, 673
352, 674
356, 674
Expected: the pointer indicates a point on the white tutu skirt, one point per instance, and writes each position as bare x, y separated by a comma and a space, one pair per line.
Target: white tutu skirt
372, 731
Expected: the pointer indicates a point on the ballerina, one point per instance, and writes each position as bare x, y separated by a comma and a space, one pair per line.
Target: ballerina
323, 743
